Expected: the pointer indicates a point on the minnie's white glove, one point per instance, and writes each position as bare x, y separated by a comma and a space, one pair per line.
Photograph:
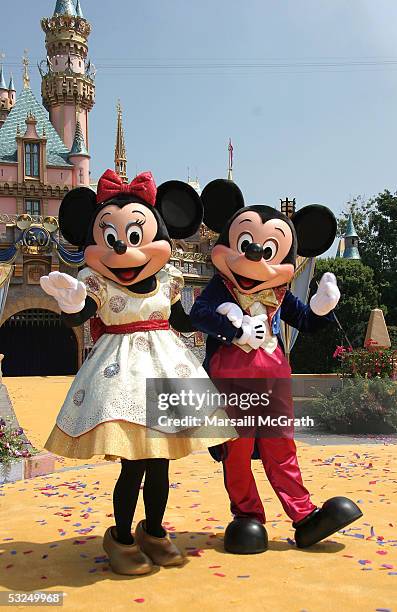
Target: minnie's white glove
232, 312
327, 296
69, 292
254, 331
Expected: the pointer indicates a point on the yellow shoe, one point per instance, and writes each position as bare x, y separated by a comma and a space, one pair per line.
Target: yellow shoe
160, 550
125, 558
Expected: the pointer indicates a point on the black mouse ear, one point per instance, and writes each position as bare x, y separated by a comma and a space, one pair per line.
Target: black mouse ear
221, 198
181, 208
315, 227
75, 214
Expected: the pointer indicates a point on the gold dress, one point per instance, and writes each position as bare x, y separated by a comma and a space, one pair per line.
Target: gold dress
104, 412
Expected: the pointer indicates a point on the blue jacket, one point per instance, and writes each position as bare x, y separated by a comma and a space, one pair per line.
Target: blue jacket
221, 331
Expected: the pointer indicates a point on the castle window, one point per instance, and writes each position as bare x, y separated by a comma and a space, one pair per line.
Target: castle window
32, 207
32, 159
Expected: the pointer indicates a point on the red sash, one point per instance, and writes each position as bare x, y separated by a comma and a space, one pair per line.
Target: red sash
98, 328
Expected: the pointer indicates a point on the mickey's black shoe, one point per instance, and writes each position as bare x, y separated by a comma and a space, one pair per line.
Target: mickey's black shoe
336, 513
245, 536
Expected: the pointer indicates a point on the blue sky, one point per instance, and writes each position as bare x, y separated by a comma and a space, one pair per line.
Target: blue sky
317, 122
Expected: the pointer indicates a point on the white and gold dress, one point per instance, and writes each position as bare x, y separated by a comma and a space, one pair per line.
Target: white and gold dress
104, 412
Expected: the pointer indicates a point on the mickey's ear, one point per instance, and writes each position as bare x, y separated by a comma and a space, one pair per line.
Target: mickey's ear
315, 227
75, 214
181, 208
221, 198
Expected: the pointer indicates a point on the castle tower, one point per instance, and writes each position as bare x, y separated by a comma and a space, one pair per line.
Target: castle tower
120, 154
350, 240
80, 159
68, 88
7, 96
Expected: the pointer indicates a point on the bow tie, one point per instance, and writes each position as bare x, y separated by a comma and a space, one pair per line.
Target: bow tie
143, 186
267, 297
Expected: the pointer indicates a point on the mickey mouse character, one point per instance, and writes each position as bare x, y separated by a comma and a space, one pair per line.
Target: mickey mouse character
240, 310
135, 293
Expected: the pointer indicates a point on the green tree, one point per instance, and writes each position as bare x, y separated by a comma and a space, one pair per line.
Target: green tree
375, 220
359, 295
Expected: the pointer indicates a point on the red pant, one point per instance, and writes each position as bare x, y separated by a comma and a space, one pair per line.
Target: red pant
279, 459
278, 455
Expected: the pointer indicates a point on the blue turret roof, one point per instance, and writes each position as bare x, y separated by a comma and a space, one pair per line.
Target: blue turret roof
2, 81
11, 85
65, 7
350, 229
79, 147
26, 104
79, 11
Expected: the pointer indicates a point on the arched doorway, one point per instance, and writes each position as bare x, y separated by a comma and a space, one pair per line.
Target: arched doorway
35, 342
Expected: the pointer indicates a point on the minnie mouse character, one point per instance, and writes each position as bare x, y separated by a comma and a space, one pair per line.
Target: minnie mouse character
240, 310
129, 284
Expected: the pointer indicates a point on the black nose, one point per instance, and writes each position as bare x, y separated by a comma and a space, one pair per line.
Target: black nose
120, 247
254, 252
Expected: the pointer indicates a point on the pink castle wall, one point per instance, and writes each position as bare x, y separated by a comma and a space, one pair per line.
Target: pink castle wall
81, 174
8, 206
8, 173
60, 63
62, 177
53, 207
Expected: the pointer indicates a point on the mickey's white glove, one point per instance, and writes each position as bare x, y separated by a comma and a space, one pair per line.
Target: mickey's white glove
233, 313
69, 292
254, 331
327, 296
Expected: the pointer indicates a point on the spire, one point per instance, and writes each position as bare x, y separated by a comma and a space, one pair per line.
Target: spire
2, 81
79, 147
120, 154
350, 239
230, 170
350, 229
79, 11
26, 77
65, 7
11, 86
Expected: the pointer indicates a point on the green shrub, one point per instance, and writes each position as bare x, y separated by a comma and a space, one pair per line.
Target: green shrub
361, 405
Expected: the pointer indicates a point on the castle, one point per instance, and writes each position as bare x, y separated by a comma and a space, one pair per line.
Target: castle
45, 152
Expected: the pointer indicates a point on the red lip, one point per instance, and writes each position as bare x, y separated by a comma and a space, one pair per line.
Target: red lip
126, 275
246, 283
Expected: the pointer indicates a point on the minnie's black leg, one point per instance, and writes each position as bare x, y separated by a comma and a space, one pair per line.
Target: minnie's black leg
125, 497
155, 495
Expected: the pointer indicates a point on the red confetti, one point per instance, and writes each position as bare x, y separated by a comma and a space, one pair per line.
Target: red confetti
139, 600
219, 574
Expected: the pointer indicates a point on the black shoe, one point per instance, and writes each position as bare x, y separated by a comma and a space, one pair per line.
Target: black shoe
336, 513
245, 536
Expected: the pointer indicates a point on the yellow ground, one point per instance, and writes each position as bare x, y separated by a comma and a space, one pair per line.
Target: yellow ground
51, 529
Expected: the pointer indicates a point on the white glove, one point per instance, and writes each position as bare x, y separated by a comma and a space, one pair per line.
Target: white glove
69, 292
254, 331
327, 296
233, 313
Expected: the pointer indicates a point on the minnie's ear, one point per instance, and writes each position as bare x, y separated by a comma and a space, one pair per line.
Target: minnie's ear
315, 227
221, 198
75, 214
181, 208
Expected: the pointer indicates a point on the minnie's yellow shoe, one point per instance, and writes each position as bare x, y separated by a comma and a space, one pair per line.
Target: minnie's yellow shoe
125, 558
160, 550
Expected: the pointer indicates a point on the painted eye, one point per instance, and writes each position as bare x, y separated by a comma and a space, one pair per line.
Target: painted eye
244, 240
110, 236
135, 235
270, 249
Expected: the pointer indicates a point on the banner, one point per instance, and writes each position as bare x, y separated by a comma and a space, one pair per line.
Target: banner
299, 286
5, 277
